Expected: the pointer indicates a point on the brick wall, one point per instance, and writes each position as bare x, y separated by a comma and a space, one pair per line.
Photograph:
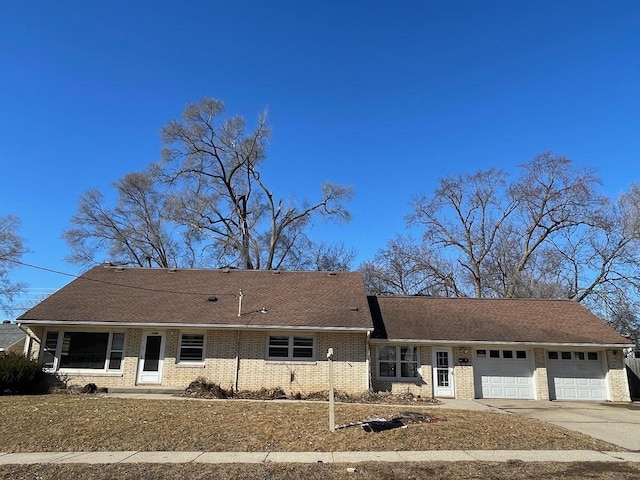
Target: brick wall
617, 377
540, 377
463, 373
221, 347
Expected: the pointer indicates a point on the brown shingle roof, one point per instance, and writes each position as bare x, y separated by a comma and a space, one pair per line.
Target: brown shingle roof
489, 320
148, 295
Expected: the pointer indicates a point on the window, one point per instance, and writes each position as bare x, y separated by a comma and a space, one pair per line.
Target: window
578, 355
481, 353
49, 349
552, 355
395, 361
84, 350
290, 347
507, 354
191, 347
494, 353
592, 355
565, 355
117, 351
521, 354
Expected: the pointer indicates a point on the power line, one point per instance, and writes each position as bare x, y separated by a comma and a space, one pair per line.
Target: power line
135, 287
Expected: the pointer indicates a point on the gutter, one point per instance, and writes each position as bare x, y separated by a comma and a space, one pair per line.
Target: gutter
382, 341
216, 326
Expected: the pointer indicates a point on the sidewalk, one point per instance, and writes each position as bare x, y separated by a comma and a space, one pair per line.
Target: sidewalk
319, 457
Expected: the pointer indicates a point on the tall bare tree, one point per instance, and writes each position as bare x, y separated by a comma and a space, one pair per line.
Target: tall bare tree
214, 167
206, 204
549, 234
12, 248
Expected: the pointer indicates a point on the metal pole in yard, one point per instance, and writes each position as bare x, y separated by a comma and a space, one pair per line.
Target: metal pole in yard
332, 421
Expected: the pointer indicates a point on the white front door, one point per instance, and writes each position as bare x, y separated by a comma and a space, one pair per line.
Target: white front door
151, 358
443, 373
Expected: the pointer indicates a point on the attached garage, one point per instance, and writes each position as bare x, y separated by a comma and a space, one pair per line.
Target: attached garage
502, 373
576, 375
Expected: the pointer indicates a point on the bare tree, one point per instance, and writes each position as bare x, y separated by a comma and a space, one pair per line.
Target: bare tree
214, 168
206, 204
138, 231
12, 247
548, 234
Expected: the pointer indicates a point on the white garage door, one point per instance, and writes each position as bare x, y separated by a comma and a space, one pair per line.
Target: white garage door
576, 375
503, 374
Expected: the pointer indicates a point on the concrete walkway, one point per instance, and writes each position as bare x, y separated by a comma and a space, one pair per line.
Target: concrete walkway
319, 457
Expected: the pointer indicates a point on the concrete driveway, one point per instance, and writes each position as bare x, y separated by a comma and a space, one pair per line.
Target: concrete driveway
617, 423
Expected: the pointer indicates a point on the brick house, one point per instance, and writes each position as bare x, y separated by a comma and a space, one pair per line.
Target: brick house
496, 348
248, 329
124, 327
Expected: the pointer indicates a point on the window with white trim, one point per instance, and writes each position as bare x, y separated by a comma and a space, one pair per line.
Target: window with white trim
397, 362
191, 348
83, 350
291, 347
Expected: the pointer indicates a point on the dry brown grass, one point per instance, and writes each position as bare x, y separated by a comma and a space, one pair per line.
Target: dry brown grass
364, 471
97, 423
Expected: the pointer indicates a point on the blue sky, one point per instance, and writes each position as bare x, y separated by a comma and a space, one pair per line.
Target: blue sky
385, 96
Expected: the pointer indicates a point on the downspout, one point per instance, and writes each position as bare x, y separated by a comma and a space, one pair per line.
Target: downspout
237, 362
368, 360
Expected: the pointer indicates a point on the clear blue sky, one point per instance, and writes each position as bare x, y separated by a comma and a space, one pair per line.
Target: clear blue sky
384, 96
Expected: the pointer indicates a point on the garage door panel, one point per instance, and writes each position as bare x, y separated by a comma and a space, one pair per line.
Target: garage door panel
503, 377
580, 377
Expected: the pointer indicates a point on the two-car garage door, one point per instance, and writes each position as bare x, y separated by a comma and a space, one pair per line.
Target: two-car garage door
576, 376
572, 375
503, 374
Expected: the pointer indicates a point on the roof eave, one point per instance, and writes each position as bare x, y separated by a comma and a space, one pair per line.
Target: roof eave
215, 326
495, 342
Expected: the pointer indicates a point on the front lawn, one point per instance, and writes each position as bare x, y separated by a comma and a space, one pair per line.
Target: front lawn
99, 423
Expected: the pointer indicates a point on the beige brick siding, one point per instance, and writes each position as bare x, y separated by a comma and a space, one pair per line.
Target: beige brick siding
463, 373
540, 377
350, 363
617, 377
423, 386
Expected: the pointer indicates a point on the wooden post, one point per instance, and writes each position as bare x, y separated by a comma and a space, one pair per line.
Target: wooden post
332, 421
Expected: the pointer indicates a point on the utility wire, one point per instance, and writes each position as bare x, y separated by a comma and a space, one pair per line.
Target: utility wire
135, 287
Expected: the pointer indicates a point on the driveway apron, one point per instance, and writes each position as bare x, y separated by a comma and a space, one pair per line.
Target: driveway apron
616, 423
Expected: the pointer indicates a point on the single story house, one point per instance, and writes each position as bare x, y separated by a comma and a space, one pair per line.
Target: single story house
11, 338
245, 329
248, 329
496, 348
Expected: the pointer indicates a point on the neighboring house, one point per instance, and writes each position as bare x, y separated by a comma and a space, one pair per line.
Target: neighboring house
496, 348
248, 329
11, 338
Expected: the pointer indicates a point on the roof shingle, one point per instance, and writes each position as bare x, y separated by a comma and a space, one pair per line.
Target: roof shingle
489, 320
175, 296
